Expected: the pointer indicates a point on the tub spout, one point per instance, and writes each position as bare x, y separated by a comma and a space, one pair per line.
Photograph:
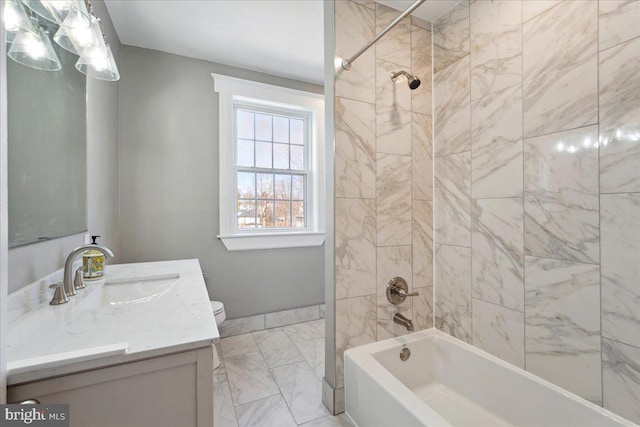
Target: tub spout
401, 320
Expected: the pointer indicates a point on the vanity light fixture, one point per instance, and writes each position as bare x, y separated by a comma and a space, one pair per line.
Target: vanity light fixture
34, 49
15, 19
80, 32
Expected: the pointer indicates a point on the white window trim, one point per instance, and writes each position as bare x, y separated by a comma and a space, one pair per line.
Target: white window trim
230, 90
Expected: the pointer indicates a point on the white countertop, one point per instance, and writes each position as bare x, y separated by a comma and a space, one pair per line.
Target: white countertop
114, 320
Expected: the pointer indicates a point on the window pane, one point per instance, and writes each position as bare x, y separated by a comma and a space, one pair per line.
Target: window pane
263, 127
245, 153
246, 185
299, 217
283, 214
297, 157
297, 187
263, 154
280, 129
297, 131
283, 187
281, 156
265, 186
265, 213
246, 214
244, 124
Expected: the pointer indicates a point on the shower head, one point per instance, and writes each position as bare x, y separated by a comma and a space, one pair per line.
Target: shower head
412, 80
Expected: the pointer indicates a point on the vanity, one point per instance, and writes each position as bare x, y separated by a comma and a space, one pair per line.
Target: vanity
133, 349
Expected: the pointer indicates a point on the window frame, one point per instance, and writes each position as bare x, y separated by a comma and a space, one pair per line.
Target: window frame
234, 92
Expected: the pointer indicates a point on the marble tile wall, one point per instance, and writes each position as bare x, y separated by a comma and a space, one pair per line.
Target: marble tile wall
537, 189
383, 175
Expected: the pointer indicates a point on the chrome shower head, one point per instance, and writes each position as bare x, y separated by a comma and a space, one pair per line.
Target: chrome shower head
412, 80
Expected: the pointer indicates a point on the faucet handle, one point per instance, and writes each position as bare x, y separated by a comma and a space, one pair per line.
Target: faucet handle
78, 281
398, 290
59, 296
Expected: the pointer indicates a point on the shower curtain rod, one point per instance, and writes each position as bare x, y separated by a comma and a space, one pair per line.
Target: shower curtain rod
346, 63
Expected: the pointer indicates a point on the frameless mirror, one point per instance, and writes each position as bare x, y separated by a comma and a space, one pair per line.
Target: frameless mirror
46, 150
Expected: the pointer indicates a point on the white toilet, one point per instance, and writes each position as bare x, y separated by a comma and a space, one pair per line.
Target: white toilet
220, 316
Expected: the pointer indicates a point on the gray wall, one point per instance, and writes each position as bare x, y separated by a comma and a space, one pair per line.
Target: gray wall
31, 262
169, 185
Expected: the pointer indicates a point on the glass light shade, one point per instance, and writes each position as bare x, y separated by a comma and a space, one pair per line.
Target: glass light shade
46, 10
15, 18
34, 49
79, 40
99, 67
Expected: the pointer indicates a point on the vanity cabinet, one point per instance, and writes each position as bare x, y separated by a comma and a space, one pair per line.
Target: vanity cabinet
170, 390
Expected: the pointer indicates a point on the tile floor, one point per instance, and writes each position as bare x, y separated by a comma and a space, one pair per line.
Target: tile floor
273, 378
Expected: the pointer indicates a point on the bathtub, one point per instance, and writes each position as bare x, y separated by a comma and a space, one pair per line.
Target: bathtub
446, 382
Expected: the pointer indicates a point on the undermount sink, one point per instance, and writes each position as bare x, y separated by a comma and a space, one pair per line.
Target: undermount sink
137, 290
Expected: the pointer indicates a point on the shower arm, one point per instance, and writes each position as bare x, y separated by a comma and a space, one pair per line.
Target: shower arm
346, 63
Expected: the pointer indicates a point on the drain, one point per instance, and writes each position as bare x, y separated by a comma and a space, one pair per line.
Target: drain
405, 354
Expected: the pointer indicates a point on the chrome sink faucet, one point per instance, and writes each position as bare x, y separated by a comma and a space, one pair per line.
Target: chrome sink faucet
67, 284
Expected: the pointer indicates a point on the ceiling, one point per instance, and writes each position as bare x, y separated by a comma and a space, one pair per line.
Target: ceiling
279, 37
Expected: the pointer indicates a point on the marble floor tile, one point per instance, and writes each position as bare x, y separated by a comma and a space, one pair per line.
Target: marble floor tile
395, 46
453, 199
220, 373
276, 347
620, 118
244, 325
560, 65
620, 264
393, 202
355, 25
421, 68
421, 157
355, 325
355, 247
496, 46
355, 159
393, 261
302, 390
288, 317
224, 414
499, 331
533, 8
331, 421
269, 412
313, 352
498, 252
249, 378
422, 243
561, 196
618, 22
305, 331
621, 379
452, 98
423, 308
562, 316
451, 36
239, 344
453, 291
496, 144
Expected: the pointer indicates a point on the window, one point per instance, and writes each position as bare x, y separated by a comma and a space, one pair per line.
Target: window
271, 164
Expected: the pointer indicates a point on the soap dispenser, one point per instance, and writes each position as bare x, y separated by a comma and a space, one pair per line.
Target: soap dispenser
93, 263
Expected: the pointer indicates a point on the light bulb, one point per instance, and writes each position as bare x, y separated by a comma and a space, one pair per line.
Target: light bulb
11, 17
99, 63
34, 47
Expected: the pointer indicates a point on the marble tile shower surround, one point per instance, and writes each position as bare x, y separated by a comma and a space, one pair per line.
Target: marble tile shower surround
537, 228
384, 178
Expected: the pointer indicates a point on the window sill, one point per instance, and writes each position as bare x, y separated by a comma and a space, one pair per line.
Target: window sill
248, 242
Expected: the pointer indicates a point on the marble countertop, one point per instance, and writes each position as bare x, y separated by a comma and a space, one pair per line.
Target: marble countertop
138, 311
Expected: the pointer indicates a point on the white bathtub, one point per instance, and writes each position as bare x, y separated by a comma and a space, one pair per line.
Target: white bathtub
446, 382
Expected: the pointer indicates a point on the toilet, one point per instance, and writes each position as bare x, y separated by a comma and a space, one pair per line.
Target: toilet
220, 316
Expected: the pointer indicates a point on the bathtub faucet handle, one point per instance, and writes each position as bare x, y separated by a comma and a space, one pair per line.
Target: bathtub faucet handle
398, 291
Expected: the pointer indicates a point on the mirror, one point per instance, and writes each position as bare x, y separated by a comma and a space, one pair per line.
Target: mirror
46, 150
